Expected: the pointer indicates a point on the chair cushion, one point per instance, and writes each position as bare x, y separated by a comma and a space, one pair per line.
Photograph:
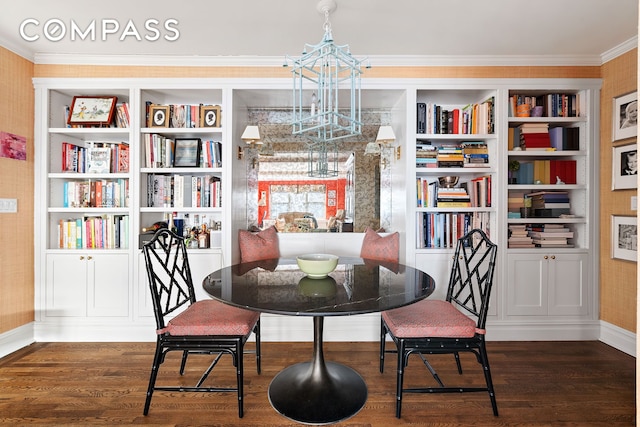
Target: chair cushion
258, 246
210, 317
429, 318
383, 248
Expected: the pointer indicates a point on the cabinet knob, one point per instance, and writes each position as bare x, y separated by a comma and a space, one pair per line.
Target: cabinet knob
553, 257
81, 257
546, 257
89, 258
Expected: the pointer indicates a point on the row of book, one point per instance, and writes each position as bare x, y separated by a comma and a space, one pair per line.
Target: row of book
443, 229
539, 136
95, 157
553, 104
540, 204
546, 172
99, 193
470, 119
465, 154
179, 191
160, 151
539, 235
473, 193
182, 115
94, 232
121, 118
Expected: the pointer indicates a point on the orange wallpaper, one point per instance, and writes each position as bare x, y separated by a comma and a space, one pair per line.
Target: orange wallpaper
16, 182
617, 278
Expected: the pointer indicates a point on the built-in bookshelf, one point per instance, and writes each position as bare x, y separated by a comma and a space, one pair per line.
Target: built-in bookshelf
547, 153
455, 140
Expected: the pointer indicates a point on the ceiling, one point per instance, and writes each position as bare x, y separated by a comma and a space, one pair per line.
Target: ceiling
572, 32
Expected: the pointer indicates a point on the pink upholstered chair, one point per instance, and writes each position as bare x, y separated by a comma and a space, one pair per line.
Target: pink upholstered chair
193, 327
447, 327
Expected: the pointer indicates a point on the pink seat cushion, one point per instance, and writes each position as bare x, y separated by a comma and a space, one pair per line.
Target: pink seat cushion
209, 317
383, 248
429, 318
258, 246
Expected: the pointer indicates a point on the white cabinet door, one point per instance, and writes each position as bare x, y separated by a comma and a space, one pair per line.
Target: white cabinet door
547, 284
108, 285
66, 287
87, 284
568, 274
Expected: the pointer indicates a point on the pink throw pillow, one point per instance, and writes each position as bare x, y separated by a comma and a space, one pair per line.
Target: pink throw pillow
383, 248
258, 246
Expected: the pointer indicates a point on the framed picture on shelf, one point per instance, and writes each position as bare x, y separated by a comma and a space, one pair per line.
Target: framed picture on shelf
625, 167
92, 110
624, 237
625, 116
159, 116
187, 153
210, 116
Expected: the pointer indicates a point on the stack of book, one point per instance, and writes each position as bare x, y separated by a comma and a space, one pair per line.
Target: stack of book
453, 198
534, 136
450, 156
549, 204
475, 154
519, 237
515, 202
550, 235
565, 138
426, 156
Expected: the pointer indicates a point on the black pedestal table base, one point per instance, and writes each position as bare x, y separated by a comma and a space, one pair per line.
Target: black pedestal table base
317, 392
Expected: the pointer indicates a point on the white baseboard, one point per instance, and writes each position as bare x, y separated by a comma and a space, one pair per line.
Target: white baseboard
16, 339
276, 328
618, 338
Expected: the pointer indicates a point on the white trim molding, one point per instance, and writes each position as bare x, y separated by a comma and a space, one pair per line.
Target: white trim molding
618, 338
17, 338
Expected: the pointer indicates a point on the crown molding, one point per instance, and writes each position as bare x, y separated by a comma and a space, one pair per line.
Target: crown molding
15, 48
270, 61
621, 49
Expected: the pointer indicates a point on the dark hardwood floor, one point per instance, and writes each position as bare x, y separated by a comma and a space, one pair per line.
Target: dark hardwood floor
537, 384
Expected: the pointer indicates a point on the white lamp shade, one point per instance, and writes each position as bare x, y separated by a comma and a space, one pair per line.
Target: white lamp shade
385, 135
251, 135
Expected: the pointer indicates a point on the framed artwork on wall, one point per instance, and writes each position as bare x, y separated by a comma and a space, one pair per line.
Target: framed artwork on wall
625, 167
187, 153
624, 237
625, 116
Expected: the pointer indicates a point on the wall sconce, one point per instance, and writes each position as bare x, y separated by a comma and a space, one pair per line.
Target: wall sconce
251, 136
386, 137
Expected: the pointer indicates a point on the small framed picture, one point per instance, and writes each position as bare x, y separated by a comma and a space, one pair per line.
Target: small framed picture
210, 116
625, 167
159, 116
187, 153
624, 237
625, 116
92, 110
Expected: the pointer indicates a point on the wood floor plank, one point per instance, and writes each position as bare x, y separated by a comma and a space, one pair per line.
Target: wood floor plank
104, 384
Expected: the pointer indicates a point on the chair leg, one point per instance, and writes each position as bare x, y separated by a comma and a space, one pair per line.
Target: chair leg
152, 378
256, 331
402, 363
383, 336
239, 375
184, 361
487, 377
458, 364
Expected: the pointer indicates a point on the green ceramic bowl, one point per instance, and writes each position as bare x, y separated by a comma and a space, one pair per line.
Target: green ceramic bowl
317, 266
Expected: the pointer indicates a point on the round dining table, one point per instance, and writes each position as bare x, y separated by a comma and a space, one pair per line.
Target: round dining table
318, 392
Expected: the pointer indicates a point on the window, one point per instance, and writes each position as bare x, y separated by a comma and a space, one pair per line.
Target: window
298, 198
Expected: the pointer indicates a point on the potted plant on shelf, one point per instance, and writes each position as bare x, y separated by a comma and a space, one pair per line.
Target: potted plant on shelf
514, 166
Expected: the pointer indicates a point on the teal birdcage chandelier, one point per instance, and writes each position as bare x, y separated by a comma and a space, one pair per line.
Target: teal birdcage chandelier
326, 97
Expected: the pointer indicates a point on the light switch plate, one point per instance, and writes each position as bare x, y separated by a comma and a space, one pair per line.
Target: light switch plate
634, 203
8, 205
